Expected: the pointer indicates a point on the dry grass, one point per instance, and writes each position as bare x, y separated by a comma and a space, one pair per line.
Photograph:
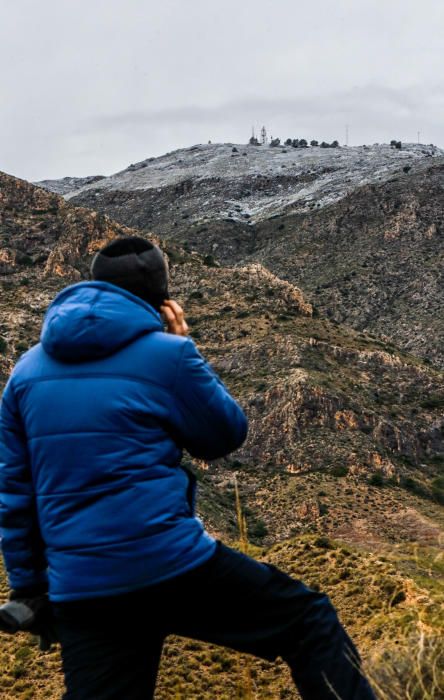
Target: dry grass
245, 686
409, 669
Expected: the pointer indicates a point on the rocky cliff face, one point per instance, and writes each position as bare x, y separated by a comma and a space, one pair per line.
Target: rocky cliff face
359, 230
35, 226
374, 260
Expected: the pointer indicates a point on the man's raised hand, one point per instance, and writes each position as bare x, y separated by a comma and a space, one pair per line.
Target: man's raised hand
174, 318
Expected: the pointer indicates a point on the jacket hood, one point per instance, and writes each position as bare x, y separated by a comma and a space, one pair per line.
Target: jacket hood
90, 320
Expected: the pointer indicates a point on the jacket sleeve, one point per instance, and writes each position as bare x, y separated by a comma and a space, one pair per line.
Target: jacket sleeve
208, 422
21, 543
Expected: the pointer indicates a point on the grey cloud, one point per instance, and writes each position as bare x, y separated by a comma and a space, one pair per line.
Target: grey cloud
362, 101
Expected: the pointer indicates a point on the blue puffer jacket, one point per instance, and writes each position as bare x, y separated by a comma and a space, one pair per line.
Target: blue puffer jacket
92, 425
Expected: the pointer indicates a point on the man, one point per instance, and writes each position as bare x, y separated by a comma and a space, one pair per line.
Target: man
96, 505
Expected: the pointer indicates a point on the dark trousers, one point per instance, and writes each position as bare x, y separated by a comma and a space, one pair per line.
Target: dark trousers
111, 646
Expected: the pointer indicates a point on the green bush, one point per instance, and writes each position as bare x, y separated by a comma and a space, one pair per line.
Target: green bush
376, 479
258, 530
209, 261
339, 470
437, 487
433, 402
414, 486
323, 543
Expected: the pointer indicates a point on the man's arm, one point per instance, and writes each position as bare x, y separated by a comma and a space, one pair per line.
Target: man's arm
209, 422
206, 419
21, 543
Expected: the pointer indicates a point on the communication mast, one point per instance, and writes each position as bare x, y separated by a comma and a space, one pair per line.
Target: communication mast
264, 140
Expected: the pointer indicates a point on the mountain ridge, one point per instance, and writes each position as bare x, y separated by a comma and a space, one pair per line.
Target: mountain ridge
363, 240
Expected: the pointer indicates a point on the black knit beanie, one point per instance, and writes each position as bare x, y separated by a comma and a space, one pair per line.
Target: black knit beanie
136, 265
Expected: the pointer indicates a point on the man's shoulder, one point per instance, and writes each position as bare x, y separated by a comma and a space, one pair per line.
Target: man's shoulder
157, 355
28, 363
159, 341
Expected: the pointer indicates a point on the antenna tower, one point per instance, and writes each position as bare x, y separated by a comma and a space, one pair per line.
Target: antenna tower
263, 136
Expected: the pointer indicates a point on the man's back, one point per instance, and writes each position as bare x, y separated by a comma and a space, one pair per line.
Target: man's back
106, 402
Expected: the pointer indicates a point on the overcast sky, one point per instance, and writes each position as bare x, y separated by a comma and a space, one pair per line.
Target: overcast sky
88, 87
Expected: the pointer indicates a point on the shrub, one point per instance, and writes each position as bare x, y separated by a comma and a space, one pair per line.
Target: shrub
437, 487
414, 486
339, 470
258, 529
376, 479
209, 261
323, 543
433, 402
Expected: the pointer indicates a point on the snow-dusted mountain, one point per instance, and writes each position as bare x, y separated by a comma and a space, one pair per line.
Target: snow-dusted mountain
67, 184
256, 182
359, 229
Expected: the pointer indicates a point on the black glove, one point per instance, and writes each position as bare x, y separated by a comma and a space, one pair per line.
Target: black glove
29, 610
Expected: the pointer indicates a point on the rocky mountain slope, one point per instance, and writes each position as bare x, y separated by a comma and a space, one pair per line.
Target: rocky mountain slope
246, 183
68, 184
346, 439
359, 230
320, 396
